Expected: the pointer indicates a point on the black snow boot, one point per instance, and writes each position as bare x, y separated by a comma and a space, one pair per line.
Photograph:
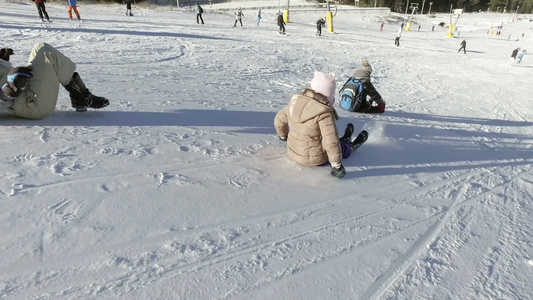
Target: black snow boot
359, 140
81, 97
347, 137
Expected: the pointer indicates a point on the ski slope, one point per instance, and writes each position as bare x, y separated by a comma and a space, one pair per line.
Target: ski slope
180, 189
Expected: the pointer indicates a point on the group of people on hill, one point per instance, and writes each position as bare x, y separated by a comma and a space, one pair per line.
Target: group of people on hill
307, 123
516, 56
32, 91
41, 9
239, 15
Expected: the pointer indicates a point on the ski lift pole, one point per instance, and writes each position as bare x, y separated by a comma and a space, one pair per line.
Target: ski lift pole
286, 13
329, 17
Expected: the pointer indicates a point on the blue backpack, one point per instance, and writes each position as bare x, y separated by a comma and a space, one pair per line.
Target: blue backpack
351, 94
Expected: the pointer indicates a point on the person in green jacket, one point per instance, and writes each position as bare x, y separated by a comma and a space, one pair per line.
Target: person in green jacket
32, 90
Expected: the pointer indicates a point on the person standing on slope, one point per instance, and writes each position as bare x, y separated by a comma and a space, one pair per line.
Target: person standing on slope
42, 10
398, 36
513, 56
258, 17
72, 6
281, 23
128, 8
520, 56
199, 12
463, 47
238, 16
31, 91
307, 124
321, 22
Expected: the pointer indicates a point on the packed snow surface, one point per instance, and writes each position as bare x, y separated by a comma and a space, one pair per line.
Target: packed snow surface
180, 189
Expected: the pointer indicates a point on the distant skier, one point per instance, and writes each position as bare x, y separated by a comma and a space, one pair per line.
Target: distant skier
238, 16
381, 29
72, 6
319, 24
308, 126
398, 36
513, 56
33, 90
128, 8
258, 17
463, 47
520, 56
199, 12
281, 23
42, 10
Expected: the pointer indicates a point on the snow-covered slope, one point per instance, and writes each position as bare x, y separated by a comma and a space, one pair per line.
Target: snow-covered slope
180, 189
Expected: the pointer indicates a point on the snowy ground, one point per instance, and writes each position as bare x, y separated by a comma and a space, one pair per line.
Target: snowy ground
180, 189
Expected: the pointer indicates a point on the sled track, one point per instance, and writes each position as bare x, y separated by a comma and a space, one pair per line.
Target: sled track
244, 241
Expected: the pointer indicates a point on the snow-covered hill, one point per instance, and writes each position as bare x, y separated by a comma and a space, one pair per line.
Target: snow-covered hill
180, 189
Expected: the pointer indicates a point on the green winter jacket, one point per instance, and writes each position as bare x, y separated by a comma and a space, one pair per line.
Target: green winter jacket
51, 68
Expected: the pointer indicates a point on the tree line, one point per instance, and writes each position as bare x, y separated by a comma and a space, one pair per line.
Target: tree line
441, 6
400, 6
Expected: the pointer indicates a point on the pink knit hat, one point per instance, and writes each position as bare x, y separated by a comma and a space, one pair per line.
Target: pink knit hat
324, 84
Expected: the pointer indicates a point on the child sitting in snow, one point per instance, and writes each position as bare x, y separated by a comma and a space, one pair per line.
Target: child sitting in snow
308, 126
363, 74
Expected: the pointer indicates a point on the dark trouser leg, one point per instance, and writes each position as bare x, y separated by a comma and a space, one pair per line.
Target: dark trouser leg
345, 149
45, 13
38, 5
81, 97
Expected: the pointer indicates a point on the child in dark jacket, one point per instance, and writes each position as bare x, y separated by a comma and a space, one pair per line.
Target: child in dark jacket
363, 74
321, 22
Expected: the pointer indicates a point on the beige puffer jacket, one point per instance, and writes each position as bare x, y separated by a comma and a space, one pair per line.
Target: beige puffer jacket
313, 138
51, 68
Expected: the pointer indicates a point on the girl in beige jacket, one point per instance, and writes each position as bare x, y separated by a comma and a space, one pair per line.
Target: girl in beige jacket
308, 126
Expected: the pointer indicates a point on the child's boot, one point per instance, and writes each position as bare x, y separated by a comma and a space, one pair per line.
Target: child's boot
347, 137
359, 140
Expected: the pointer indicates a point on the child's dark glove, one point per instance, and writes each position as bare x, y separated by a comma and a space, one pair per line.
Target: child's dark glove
17, 80
5, 53
338, 172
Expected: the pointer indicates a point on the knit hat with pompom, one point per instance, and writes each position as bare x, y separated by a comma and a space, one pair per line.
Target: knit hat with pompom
364, 71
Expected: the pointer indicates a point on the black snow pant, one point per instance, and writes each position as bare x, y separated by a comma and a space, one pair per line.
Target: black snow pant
462, 48
281, 28
42, 10
319, 29
238, 20
397, 42
199, 18
128, 8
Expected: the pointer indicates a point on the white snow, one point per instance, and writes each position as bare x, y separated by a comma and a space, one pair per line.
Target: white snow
180, 189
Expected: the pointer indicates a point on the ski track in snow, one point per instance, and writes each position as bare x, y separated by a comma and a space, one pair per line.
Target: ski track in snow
179, 191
